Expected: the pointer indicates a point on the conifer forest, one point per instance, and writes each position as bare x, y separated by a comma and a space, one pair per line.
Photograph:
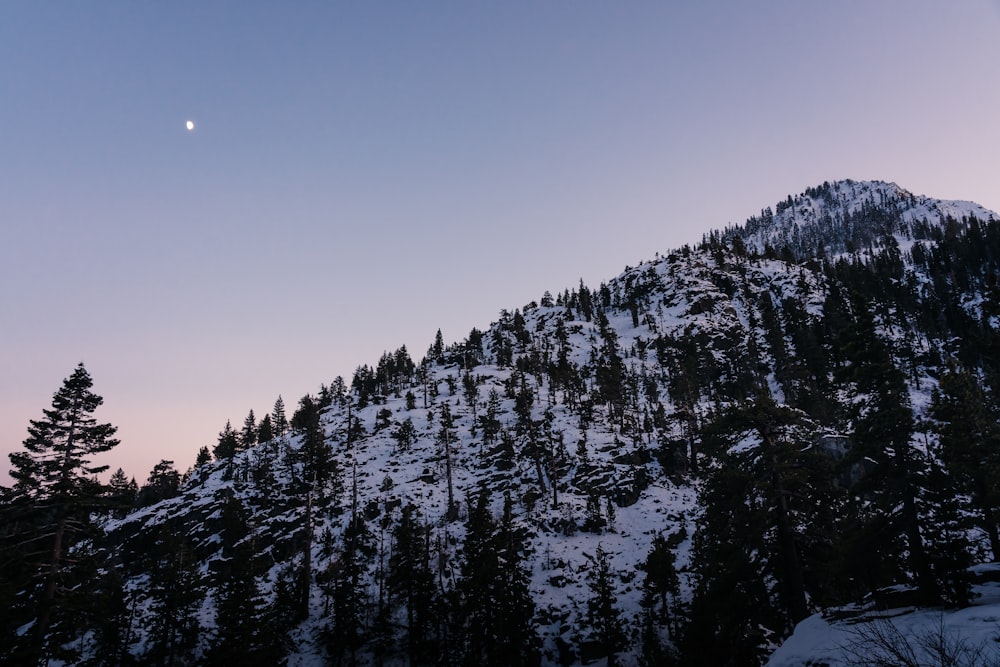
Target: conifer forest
778, 431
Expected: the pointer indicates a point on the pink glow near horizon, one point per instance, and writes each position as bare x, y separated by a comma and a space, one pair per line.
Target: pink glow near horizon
361, 176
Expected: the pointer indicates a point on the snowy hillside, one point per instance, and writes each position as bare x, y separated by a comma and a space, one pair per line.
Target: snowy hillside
679, 466
847, 216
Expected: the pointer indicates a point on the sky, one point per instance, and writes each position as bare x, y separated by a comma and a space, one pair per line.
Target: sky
362, 174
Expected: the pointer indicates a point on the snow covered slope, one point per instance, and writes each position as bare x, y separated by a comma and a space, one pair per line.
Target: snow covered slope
585, 409
846, 216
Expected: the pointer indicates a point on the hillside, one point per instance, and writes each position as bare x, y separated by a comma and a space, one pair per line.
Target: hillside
674, 467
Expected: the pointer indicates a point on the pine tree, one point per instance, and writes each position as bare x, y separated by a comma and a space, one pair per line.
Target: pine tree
606, 625
122, 492
16, 573
446, 438
969, 433
479, 571
319, 468
228, 443
243, 635
491, 420
164, 482
347, 630
278, 419
175, 595
610, 371
248, 436
660, 591
527, 429
470, 390
732, 615
516, 637
238, 618
111, 618
54, 485
437, 349
661, 585
265, 430
495, 608
204, 457
405, 434
411, 581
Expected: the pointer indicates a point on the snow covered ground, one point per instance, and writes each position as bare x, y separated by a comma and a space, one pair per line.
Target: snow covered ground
904, 636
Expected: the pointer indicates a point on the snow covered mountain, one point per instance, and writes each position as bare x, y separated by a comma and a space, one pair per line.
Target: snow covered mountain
676, 467
848, 216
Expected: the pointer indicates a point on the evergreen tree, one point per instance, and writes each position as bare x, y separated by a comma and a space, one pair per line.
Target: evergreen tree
240, 627
53, 496
661, 585
405, 434
437, 349
495, 608
732, 616
968, 429
411, 581
279, 421
164, 482
514, 608
122, 492
528, 429
470, 390
319, 468
248, 436
228, 443
491, 420
610, 370
243, 635
204, 457
175, 595
111, 613
348, 629
606, 625
265, 430
446, 438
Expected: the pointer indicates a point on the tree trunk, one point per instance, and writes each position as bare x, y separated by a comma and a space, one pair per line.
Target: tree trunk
306, 582
452, 508
537, 458
51, 583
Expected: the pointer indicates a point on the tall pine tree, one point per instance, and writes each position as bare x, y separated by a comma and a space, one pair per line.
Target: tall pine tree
54, 494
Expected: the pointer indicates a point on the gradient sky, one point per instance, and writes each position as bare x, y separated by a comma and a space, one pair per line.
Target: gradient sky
363, 173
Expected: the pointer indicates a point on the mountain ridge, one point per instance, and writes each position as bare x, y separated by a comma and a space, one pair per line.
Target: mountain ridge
595, 426
696, 304
826, 210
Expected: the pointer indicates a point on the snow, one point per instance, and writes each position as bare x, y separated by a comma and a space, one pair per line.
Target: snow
690, 299
835, 643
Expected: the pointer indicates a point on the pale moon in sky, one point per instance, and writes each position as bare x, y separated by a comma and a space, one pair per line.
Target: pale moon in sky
189, 125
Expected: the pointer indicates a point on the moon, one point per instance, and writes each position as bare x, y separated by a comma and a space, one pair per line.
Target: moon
189, 125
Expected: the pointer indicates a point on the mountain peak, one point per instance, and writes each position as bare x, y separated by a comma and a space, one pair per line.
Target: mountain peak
844, 216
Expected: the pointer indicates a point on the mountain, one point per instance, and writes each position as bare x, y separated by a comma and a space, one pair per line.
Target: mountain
675, 467
849, 216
